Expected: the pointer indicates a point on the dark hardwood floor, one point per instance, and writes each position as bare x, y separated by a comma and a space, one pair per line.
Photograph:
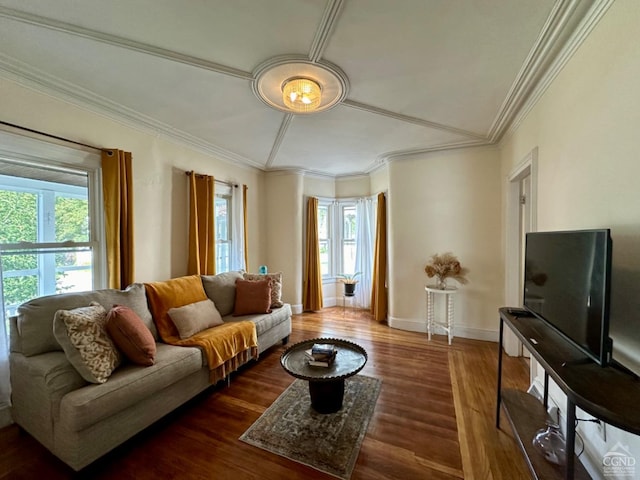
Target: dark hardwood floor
434, 418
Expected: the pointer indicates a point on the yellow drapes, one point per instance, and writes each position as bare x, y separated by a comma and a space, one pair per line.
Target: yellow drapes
312, 285
202, 249
379, 286
117, 190
244, 219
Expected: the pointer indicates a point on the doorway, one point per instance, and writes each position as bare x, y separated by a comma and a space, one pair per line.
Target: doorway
521, 219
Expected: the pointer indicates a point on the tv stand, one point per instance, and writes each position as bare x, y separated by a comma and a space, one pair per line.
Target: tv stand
603, 392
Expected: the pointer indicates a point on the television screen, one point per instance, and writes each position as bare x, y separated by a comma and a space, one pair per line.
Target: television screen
567, 284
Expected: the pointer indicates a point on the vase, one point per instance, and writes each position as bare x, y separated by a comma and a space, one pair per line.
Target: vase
442, 283
550, 442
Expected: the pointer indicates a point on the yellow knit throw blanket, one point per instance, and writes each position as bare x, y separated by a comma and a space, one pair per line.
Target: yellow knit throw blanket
223, 342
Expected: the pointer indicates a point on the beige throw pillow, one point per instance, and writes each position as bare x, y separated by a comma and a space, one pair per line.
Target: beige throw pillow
275, 280
82, 335
195, 317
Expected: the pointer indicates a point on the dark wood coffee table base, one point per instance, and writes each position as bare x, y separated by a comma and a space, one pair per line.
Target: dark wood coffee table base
326, 397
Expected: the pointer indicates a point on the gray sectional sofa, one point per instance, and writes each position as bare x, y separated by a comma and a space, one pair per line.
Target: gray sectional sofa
79, 421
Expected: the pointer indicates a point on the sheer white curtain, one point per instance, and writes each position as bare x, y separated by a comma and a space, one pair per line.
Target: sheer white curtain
236, 262
5, 386
365, 243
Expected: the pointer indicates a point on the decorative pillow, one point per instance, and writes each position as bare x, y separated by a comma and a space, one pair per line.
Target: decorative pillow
221, 288
252, 297
81, 333
276, 286
195, 317
169, 294
131, 335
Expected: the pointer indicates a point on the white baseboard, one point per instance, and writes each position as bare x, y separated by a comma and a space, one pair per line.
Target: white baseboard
296, 309
5, 416
463, 331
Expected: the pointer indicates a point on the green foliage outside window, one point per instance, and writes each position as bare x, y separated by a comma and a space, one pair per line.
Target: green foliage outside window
19, 223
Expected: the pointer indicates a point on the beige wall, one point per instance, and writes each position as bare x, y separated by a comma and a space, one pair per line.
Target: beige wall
586, 130
446, 202
159, 182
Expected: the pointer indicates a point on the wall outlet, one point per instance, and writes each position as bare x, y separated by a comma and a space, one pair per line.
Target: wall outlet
601, 428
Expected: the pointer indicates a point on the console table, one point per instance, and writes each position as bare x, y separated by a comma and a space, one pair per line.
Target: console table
608, 394
448, 292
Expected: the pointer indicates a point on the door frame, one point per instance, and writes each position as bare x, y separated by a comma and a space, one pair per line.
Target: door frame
527, 167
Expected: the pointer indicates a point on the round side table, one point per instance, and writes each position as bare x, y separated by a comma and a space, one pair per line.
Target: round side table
448, 293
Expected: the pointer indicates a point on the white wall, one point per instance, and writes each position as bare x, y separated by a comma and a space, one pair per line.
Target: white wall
586, 130
446, 202
283, 233
159, 181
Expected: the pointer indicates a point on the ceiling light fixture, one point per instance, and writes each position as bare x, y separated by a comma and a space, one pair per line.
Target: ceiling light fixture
295, 85
301, 94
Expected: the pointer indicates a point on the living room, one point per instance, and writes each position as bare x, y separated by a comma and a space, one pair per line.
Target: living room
579, 128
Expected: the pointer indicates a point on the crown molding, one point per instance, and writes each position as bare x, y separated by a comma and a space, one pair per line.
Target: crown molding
401, 154
121, 42
408, 119
42, 82
568, 25
588, 23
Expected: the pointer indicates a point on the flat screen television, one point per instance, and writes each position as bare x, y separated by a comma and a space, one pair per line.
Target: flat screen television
567, 283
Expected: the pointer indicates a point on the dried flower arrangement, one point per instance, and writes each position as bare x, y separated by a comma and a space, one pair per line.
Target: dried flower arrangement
446, 266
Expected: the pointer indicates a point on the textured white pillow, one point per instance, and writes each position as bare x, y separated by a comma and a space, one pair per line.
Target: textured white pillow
195, 317
82, 335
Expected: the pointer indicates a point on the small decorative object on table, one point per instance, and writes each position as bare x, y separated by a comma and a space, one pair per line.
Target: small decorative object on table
446, 266
262, 270
321, 355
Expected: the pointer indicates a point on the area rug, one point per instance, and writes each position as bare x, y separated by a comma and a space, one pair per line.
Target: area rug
327, 442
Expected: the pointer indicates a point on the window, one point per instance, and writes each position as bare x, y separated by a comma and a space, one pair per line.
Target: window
337, 252
324, 242
348, 260
222, 214
51, 224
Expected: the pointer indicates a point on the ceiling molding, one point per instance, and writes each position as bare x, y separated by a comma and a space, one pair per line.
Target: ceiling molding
121, 42
561, 35
589, 22
284, 126
436, 148
409, 119
329, 19
42, 82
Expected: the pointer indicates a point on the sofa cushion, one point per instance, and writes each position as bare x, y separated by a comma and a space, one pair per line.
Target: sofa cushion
264, 321
85, 341
252, 297
170, 294
276, 285
195, 317
128, 385
35, 317
221, 288
130, 335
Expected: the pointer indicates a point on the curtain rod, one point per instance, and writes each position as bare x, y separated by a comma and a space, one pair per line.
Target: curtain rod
202, 175
31, 130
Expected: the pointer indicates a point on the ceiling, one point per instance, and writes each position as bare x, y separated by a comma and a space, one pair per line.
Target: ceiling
421, 75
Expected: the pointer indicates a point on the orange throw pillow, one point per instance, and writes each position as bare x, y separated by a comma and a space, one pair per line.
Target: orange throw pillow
131, 335
170, 294
252, 297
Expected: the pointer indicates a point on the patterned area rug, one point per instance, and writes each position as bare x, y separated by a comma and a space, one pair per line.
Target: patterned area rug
330, 442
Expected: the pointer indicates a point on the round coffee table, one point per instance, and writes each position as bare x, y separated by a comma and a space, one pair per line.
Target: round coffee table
326, 384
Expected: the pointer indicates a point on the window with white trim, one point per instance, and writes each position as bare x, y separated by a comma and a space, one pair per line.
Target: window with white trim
51, 222
337, 222
222, 214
